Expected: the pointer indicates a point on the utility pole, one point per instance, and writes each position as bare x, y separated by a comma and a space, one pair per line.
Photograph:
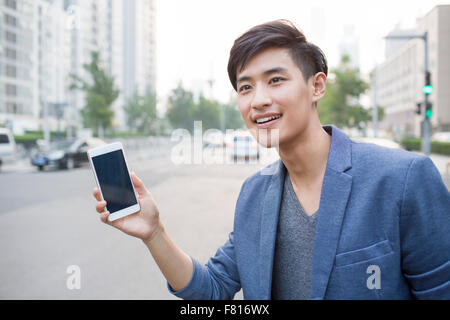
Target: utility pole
44, 104
426, 125
375, 106
426, 143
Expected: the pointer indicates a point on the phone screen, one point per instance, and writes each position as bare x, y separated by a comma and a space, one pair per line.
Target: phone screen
114, 180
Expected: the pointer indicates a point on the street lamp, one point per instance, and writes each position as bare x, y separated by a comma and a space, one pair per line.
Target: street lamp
428, 89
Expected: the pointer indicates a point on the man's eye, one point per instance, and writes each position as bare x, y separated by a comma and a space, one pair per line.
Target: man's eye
244, 87
275, 80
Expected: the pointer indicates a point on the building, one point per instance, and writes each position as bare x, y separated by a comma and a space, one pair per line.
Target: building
349, 45
399, 81
44, 42
16, 63
124, 32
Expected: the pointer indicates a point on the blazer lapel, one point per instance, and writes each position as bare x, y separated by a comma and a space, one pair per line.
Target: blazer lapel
335, 193
269, 223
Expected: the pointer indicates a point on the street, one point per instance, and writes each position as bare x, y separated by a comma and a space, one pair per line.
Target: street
48, 223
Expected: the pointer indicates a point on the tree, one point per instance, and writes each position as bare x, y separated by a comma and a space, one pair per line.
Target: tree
207, 111
340, 105
183, 111
100, 93
233, 118
180, 109
141, 112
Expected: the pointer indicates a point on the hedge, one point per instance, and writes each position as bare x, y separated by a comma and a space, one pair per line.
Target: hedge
436, 147
30, 137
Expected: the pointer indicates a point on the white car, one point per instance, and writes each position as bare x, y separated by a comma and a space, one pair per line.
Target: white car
7, 146
379, 141
441, 136
243, 146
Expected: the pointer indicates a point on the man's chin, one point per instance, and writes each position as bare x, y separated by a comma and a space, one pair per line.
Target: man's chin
267, 138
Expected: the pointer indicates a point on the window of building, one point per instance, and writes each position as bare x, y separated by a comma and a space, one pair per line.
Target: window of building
10, 4
11, 71
11, 37
11, 90
11, 53
11, 107
10, 20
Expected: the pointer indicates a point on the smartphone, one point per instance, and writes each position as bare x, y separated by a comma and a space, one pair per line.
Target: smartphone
113, 180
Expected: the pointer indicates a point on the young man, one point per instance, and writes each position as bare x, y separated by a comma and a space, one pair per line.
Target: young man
335, 219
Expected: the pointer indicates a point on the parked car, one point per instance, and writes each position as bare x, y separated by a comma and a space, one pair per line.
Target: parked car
65, 154
7, 146
243, 146
441, 136
379, 141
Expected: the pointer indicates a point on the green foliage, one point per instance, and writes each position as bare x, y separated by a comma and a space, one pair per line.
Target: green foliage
183, 111
340, 104
207, 111
141, 113
411, 143
100, 94
181, 107
233, 118
30, 137
440, 147
436, 146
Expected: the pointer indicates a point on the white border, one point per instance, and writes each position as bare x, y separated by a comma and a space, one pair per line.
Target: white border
107, 149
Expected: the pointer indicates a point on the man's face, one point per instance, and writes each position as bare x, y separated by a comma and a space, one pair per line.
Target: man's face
271, 88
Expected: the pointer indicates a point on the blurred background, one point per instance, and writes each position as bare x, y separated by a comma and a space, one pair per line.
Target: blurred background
75, 74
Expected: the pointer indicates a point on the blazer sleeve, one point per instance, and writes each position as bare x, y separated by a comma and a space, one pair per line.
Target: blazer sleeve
217, 280
425, 231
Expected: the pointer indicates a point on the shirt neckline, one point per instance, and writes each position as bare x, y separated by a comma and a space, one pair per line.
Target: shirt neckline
298, 205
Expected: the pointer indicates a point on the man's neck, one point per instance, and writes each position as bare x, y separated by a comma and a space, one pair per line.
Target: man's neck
306, 157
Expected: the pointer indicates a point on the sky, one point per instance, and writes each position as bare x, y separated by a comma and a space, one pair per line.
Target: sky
194, 37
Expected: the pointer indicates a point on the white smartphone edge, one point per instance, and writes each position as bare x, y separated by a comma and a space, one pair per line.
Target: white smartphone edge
107, 149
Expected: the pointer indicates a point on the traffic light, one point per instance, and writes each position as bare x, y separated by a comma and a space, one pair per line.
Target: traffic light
429, 110
419, 108
428, 88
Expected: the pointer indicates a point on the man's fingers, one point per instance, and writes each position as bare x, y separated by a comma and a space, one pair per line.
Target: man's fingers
138, 184
104, 217
100, 206
96, 194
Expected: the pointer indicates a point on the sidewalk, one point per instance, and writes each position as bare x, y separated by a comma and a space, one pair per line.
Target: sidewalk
19, 165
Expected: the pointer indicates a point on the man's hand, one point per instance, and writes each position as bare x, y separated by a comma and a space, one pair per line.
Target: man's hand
144, 224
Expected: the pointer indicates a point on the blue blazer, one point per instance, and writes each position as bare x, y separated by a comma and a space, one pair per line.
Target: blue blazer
383, 230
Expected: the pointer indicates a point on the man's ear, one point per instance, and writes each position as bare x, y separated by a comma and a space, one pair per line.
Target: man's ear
319, 83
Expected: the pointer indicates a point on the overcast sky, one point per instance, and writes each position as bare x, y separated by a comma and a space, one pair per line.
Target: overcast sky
194, 37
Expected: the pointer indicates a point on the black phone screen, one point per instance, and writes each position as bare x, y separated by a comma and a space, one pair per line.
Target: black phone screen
114, 180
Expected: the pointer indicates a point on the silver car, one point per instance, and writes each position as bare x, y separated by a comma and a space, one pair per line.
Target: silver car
7, 146
244, 147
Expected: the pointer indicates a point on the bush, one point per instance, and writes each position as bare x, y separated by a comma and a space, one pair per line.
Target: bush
411, 144
125, 134
30, 137
440, 147
416, 144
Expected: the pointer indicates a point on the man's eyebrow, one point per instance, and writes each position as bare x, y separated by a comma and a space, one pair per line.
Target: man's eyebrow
266, 73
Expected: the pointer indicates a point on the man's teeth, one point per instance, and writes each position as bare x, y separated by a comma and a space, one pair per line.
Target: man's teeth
262, 120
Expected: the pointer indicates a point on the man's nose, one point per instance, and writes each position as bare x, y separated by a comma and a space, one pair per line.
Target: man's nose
260, 98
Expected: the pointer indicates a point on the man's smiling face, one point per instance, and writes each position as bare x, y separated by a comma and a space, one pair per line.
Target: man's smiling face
273, 95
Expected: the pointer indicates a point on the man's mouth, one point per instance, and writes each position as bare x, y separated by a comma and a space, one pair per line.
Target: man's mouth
267, 119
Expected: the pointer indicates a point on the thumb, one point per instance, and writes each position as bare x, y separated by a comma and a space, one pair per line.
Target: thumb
138, 184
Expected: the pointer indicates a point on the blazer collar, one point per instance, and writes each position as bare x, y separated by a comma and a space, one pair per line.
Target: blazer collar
339, 157
336, 189
335, 192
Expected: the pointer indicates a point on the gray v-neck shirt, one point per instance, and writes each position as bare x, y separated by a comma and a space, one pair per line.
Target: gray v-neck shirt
294, 246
